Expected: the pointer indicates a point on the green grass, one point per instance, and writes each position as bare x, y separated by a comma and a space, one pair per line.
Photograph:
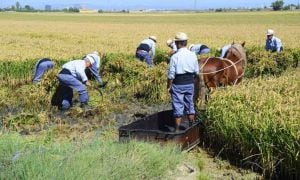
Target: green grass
22, 158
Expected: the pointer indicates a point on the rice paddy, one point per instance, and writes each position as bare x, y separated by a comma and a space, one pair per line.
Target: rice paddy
262, 130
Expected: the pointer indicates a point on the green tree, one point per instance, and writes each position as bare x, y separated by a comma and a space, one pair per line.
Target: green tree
13, 8
27, 7
18, 5
277, 5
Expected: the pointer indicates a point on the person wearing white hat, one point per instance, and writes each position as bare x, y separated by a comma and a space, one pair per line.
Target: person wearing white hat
273, 43
182, 70
93, 71
73, 77
146, 50
171, 44
199, 49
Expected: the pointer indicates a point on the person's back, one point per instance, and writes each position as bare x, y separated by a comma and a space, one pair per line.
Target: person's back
146, 50
183, 67
199, 49
40, 68
185, 61
77, 69
73, 77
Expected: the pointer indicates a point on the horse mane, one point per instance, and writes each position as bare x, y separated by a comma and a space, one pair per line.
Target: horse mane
241, 50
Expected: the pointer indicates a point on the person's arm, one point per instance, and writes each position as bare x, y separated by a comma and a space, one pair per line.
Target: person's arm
278, 45
196, 66
171, 73
169, 85
267, 46
153, 49
95, 72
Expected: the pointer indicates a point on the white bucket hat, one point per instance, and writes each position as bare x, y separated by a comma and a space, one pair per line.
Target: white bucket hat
169, 42
95, 52
180, 36
90, 58
153, 38
270, 32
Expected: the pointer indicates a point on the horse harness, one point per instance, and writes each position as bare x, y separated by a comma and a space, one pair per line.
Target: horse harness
232, 65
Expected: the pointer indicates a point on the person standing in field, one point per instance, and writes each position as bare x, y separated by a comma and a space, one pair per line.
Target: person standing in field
182, 70
273, 43
199, 49
40, 68
146, 50
93, 71
73, 77
171, 44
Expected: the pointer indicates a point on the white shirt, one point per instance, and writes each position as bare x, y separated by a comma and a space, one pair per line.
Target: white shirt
77, 69
151, 44
274, 44
183, 61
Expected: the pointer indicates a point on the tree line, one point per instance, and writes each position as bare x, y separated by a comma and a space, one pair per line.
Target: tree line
276, 6
27, 8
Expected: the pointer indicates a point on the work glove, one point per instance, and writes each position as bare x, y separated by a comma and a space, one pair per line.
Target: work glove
102, 85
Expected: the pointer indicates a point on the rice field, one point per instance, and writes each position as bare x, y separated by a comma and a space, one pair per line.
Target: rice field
27, 36
250, 125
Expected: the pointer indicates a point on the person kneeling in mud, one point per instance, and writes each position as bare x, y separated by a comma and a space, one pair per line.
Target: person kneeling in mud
40, 68
73, 77
181, 74
93, 71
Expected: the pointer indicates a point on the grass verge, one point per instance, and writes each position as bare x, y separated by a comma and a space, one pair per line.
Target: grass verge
22, 158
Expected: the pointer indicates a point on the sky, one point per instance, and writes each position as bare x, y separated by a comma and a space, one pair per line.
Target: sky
145, 4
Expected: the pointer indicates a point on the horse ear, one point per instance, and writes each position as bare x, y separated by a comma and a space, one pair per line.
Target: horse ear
243, 44
233, 42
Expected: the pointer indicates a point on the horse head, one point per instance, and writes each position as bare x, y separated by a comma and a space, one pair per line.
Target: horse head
237, 53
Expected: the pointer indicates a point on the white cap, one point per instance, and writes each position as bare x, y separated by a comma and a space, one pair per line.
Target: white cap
90, 58
153, 38
190, 47
169, 42
180, 36
95, 52
96, 58
270, 32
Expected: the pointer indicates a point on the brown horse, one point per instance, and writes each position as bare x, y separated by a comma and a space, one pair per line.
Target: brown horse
216, 72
